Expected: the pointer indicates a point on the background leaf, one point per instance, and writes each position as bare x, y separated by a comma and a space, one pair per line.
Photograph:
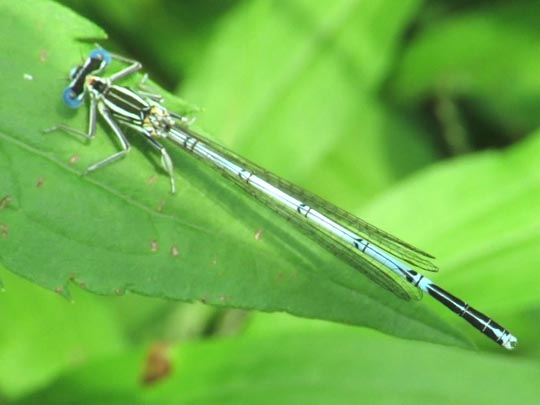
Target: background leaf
34, 319
284, 369
484, 59
314, 96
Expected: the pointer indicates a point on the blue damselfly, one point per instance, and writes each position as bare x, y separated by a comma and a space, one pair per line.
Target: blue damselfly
384, 258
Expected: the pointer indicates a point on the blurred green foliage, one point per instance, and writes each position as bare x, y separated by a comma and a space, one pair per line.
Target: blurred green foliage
418, 115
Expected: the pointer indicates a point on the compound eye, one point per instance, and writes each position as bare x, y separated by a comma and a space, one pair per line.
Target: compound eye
74, 72
101, 54
72, 99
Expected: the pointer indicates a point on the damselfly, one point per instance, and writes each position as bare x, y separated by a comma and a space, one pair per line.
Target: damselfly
384, 258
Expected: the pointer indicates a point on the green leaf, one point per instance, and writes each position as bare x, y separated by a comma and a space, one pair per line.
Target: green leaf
116, 230
43, 334
294, 86
330, 365
483, 55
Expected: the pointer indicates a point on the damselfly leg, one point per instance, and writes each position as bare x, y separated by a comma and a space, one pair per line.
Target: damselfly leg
133, 67
148, 91
89, 135
124, 144
166, 161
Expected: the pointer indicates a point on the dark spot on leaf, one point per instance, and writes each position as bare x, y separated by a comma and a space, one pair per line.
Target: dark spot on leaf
152, 180
4, 202
161, 205
157, 364
40, 182
4, 231
43, 55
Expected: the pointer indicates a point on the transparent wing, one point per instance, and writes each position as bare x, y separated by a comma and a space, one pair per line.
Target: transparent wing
391, 244
373, 269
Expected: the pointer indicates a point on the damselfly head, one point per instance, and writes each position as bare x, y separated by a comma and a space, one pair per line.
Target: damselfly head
97, 60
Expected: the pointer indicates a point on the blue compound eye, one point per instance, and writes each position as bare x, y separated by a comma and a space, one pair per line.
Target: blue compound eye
72, 99
101, 54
